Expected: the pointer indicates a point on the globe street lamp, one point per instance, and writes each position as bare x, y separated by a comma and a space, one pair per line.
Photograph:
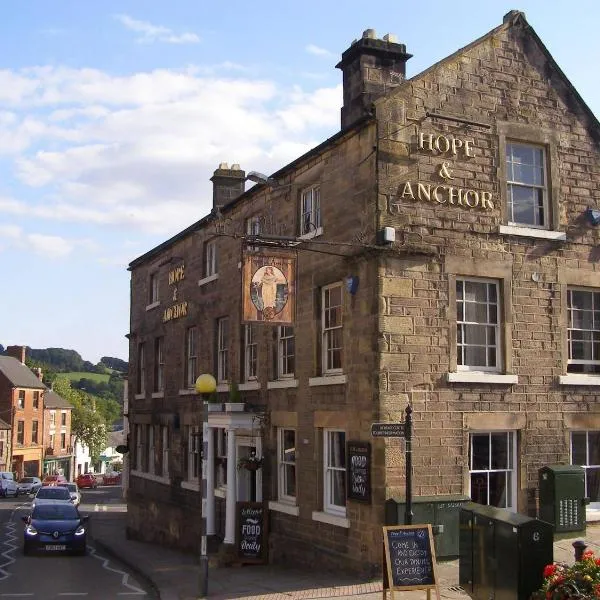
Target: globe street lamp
205, 386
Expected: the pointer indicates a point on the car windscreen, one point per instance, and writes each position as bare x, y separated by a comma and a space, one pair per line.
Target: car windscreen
56, 493
55, 512
27, 480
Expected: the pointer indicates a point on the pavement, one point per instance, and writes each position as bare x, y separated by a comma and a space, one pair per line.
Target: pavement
175, 575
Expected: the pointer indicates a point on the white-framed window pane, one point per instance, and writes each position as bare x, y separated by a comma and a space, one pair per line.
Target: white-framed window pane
153, 288
165, 451
194, 449
159, 365
286, 459
220, 440
223, 349
477, 325
492, 468
583, 331
285, 352
310, 210
526, 185
335, 471
141, 381
585, 451
191, 353
210, 258
151, 458
332, 332
250, 352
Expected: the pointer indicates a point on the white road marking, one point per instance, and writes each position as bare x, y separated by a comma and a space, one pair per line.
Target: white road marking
72, 594
6, 556
136, 591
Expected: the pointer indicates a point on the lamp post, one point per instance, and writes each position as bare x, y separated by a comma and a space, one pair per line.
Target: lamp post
205, 385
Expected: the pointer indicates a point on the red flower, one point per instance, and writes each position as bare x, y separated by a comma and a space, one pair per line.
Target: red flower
549, 570
597, 561
588, 554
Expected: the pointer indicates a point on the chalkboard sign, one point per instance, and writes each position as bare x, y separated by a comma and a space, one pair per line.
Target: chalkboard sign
251, 531
358, 458
410, 558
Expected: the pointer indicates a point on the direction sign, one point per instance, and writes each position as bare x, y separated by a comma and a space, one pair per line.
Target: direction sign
388, 429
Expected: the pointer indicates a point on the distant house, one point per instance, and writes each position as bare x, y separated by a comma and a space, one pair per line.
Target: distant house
22, 408
58, 444
4, 445
82, 459
110, 459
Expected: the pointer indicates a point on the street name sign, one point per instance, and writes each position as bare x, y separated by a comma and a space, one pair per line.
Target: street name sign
388, 429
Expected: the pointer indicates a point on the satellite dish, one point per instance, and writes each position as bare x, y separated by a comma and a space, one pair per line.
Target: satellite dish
122, 449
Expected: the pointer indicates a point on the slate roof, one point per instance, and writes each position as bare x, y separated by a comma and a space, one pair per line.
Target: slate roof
18, 374
53, 400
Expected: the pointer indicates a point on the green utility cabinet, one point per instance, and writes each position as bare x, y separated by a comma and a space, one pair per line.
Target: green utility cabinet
440, 511
562, 497
502, 554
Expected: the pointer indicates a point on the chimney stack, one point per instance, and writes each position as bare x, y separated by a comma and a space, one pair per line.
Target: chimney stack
371, 68
38, 372
228, 184
17, 352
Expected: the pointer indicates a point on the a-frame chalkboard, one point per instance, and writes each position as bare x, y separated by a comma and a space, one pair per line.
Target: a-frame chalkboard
409, 559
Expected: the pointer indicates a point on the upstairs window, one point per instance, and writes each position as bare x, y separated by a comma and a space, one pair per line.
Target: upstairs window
159, 364
141, 372
583, 331
36, 400
20, 432
191, 354
34, 432
250, 352
331, 319
285, 352
153, 289
52, 418
63, 419
21, 400
310, 211
210, 258
477, 325
223, 350
527, 193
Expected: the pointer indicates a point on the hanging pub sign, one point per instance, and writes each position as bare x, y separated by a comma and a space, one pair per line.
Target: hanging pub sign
269, 287
358, 458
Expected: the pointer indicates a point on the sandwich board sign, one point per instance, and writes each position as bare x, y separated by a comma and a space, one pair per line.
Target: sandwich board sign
409, 559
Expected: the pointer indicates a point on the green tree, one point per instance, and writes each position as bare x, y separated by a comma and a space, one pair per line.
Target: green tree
88, 424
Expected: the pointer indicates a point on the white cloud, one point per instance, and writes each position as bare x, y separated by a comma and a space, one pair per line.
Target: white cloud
49, 246
155, 33
317, 51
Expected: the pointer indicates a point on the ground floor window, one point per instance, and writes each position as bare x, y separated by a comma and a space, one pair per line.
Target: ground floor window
585, 451
492, 468
334, 443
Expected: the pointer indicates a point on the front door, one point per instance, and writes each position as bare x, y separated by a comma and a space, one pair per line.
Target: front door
249, 483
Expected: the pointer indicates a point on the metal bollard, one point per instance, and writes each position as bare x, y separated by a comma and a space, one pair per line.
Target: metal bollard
579, 546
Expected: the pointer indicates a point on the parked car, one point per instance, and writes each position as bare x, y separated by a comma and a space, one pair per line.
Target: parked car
29, 485
53, 480
55, 527
86, 480
52, 494
8, 485
73, 491
113, 478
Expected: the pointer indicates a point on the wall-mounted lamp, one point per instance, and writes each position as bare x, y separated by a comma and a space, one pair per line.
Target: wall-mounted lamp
260, 178
593, 216
352, 283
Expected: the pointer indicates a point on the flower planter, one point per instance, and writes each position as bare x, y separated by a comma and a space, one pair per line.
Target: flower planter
250, 464
214, 406
234, 406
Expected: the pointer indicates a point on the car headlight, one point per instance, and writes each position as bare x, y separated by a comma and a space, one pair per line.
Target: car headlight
30, 530
80, 530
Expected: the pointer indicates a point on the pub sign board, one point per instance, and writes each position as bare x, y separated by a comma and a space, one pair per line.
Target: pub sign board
252, 532
358, 459
410, 558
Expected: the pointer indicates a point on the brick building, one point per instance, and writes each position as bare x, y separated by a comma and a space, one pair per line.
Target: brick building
446, 250
58, 441
5, 447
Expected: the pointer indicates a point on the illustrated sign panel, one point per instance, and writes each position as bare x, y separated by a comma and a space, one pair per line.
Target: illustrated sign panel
269, 287
358, 458
251, 531
410, 557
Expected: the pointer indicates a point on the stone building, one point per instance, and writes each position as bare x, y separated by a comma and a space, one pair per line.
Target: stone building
445, 245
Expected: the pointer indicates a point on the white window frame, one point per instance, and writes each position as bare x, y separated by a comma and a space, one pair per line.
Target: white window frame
253, 229
150, 433
328, 331
63, 441
191, 356
329, 473
310, 211
462, 346
52, 418
194, 453
514, 183
223, 350
159, 364
511, 495
286, 352
36, 400
141, 369
21, 432
285, 464
35, 432
63, 418
587, 466
250, 353
153, 289
21, 400
210, 258
165, 450
592, 330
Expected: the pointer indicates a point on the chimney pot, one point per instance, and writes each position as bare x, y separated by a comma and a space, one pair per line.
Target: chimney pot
223, 165
370, 34
390, 37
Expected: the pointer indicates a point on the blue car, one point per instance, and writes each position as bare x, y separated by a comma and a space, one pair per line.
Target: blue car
55, 527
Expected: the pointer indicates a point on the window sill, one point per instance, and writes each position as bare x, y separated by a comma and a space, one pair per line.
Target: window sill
324, 517
481, 377
311, 234
221, 492
327, 380
153, 305
150, 477
249, 385
576, 379
288, 509
223, 387
194, 486
158, 394
141, 396
282, 383
208, 279
532, 232
187, 392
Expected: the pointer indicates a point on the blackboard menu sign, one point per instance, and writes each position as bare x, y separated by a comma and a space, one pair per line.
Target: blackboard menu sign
251, 531
358, 458
410, 557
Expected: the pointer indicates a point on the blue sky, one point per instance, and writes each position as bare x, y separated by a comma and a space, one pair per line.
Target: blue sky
114, 115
